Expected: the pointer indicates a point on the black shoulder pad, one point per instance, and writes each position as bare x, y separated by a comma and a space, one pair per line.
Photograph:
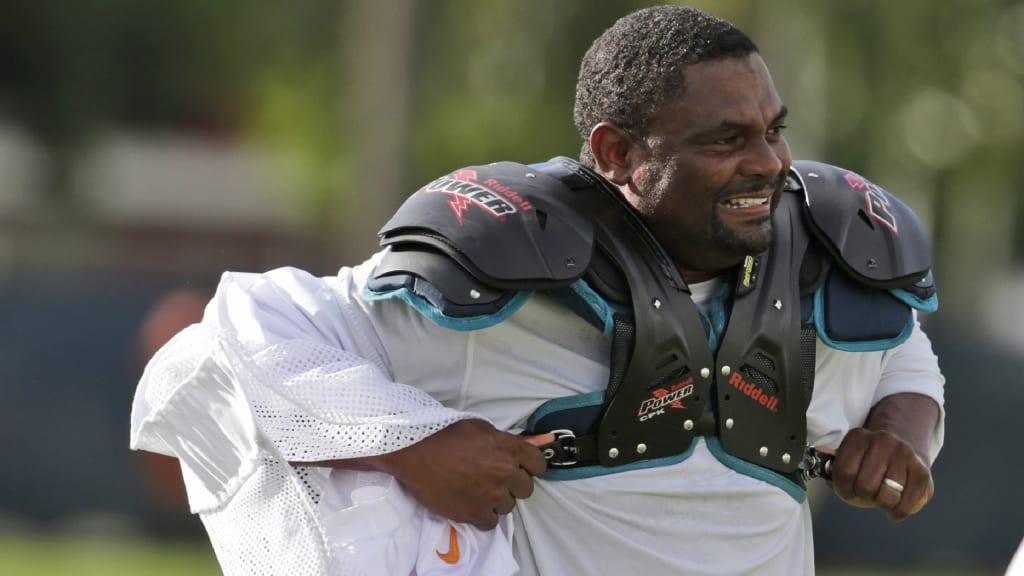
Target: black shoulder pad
507, 224
873, 235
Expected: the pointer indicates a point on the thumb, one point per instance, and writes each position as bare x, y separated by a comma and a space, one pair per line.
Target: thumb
540, 439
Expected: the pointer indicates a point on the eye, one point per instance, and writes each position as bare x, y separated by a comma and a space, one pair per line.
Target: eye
727, 141
777, 130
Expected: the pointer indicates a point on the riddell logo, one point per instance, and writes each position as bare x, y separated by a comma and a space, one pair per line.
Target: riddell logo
465, 191
671, 398
757, 394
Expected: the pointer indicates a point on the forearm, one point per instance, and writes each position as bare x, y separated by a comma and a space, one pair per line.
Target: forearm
387, 463
908, 416
466, 472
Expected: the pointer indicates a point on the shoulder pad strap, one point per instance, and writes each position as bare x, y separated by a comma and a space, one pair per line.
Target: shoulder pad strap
873, 235
508, 225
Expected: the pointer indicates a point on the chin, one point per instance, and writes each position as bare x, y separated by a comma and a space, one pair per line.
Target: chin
753, 241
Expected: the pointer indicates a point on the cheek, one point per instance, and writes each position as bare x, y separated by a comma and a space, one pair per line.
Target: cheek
655, 177
782, 151
654, 184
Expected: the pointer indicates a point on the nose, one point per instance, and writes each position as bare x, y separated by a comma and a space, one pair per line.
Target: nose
766, 159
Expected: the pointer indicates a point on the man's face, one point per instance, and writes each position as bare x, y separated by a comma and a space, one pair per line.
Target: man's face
713, 166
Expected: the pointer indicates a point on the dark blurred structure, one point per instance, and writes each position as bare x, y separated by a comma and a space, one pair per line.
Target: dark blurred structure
72, 344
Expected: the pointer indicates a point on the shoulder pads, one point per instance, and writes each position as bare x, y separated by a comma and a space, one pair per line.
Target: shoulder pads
873, 236
508, 225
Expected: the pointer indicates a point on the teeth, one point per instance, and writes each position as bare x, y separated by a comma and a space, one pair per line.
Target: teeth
744, 202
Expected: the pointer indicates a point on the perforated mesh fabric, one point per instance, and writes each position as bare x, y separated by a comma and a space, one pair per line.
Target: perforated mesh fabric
269, 515
310, 400
318, 402
175, 361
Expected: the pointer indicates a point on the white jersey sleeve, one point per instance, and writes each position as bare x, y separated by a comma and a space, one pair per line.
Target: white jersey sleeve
284, 367
312, 381
848, 384
913, 367
314, 373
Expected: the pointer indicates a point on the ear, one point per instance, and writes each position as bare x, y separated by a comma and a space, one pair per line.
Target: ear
615, 152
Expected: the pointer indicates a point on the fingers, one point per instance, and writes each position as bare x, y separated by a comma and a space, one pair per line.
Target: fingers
505, 506
469, 472
917, 491
496, 502
512, 465
530, 458
889, 494
521, 484
540, 439
847, 465
878, 469
503, 499
486, 521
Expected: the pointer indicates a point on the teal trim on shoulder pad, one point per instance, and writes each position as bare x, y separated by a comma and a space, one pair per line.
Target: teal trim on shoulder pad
598, 470
592, 399
929, 305
598, 304
564, 403
797, 492
435, 315
861, 346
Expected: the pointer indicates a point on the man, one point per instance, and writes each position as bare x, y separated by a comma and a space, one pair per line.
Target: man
596, 308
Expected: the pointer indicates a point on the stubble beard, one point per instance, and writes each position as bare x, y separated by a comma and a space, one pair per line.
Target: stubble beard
755, 239
752, 237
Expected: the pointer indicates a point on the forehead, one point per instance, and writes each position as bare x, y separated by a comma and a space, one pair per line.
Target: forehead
735, 90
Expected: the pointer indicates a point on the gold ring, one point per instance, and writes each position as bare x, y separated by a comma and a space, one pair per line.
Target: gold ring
894, 485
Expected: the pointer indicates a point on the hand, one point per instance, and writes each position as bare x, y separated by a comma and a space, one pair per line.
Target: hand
863, 462
468, 472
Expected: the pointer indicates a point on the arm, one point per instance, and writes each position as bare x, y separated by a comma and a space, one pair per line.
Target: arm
311, 379
900, 437
894, 443
468, 472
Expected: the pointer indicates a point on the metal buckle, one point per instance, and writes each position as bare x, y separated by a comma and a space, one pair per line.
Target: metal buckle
562, 450
816, 464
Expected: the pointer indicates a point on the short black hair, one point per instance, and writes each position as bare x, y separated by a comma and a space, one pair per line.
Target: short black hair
637, 65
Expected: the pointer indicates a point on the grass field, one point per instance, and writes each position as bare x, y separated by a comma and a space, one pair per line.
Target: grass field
55, 556
60, 556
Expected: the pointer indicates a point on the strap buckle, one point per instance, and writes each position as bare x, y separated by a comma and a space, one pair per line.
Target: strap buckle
816, 463
562, 450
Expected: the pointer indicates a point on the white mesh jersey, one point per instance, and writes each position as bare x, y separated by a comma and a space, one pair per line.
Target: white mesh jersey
288, 367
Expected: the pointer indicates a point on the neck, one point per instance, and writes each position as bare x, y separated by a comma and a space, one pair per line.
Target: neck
706, 264
697, 276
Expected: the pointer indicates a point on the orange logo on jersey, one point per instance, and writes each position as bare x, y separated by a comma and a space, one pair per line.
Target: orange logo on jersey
452, 555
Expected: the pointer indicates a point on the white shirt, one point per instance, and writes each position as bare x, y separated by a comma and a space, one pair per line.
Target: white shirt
309, 370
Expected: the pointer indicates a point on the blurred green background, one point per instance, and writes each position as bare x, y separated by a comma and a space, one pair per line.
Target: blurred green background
147, 146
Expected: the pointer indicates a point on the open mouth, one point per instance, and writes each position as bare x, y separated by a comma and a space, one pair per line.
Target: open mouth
751, 202
747, 202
